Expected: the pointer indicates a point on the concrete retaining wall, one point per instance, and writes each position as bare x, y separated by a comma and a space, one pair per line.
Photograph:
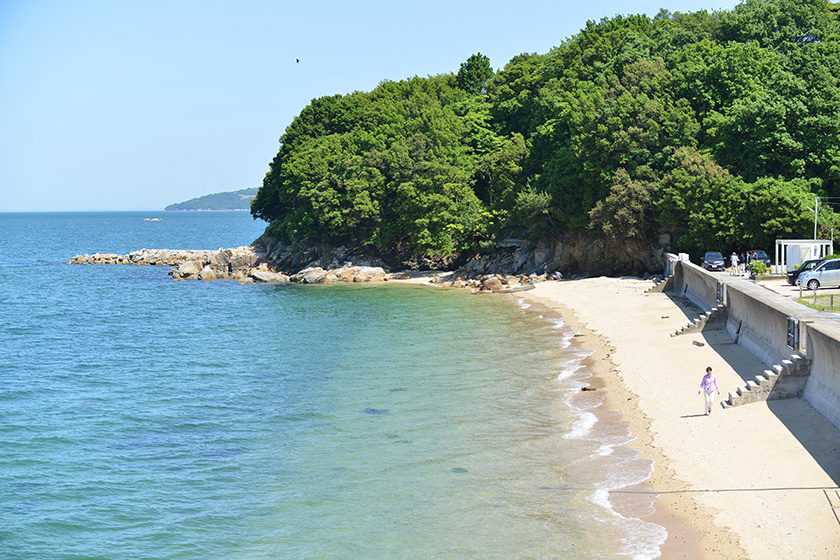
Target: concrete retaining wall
823, 387
697, 284
758, 321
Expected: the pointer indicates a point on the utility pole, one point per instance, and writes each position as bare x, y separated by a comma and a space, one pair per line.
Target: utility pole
816, 209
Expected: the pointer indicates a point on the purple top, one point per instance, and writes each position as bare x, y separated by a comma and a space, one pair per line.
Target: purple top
709, 383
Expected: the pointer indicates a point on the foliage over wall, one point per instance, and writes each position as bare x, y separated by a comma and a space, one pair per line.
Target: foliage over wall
719, 128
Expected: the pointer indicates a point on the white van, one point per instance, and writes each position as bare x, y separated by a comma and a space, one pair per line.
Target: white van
826, 275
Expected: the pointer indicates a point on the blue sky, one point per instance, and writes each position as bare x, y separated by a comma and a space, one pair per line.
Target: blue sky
136, 105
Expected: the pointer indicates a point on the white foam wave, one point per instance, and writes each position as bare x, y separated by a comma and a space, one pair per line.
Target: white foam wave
643, 540
627, 477
557, 323
646, 539
605, 450
610, 443
569, 372
582, 426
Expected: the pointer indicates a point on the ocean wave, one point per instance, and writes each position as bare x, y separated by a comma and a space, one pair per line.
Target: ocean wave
568, 372
643, 540
582, 426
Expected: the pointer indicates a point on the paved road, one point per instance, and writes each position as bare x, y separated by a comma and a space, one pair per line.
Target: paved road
780, 286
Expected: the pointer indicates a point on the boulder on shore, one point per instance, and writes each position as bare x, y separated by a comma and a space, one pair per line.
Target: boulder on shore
268, 277
311, 275
492, 284
188, 269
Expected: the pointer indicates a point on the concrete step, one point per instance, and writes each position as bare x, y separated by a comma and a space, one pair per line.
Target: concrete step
734, 400
696, 325
763, 386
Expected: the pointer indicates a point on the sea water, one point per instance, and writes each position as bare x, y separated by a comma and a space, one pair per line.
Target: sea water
146, 418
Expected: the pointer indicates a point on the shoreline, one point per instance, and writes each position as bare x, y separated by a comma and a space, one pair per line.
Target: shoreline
688, 537
686, 523
747, 482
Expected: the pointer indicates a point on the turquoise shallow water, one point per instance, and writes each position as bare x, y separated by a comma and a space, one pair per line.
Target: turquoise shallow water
147, 418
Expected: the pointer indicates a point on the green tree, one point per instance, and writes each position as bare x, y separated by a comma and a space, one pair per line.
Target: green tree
391, 169
699, 202
776, 209
628, 210
780, 24
513, 91
474, 74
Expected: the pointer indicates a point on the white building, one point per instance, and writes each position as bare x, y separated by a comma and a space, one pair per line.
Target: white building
794, 252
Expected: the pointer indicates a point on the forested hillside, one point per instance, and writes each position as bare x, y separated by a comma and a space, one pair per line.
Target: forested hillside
717, 128
232, 200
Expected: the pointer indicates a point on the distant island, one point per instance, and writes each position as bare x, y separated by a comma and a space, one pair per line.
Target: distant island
234, 200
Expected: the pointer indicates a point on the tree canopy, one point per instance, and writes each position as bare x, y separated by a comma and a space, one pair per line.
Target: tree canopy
718, 128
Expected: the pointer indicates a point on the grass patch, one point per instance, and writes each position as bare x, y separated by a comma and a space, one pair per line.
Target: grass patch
821, 303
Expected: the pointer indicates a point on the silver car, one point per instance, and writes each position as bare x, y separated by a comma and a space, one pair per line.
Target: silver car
826, 275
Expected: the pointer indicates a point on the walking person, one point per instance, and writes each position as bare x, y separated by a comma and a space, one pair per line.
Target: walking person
708, 386
734, 260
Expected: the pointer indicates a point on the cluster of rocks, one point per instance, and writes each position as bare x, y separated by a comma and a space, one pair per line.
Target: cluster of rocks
351, 273
497, 283
245, 264
148, 257
235, 263
515, 265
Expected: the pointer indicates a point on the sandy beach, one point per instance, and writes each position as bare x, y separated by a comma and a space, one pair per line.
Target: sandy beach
758, 481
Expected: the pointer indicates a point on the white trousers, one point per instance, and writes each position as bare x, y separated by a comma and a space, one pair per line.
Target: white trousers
710, 399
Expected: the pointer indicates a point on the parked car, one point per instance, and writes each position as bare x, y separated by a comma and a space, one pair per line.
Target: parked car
792, 275
759, 255
825, 275
713, 261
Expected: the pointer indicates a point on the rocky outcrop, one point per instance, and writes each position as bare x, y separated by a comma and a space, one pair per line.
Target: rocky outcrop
235, 264
515, 265
496, 283
245, 264
578, 254
294, 258
148, 257
268, 277
317, 275
310, 275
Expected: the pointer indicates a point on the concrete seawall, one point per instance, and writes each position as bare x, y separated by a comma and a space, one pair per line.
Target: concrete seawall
823, 387
696, 284
758, 320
